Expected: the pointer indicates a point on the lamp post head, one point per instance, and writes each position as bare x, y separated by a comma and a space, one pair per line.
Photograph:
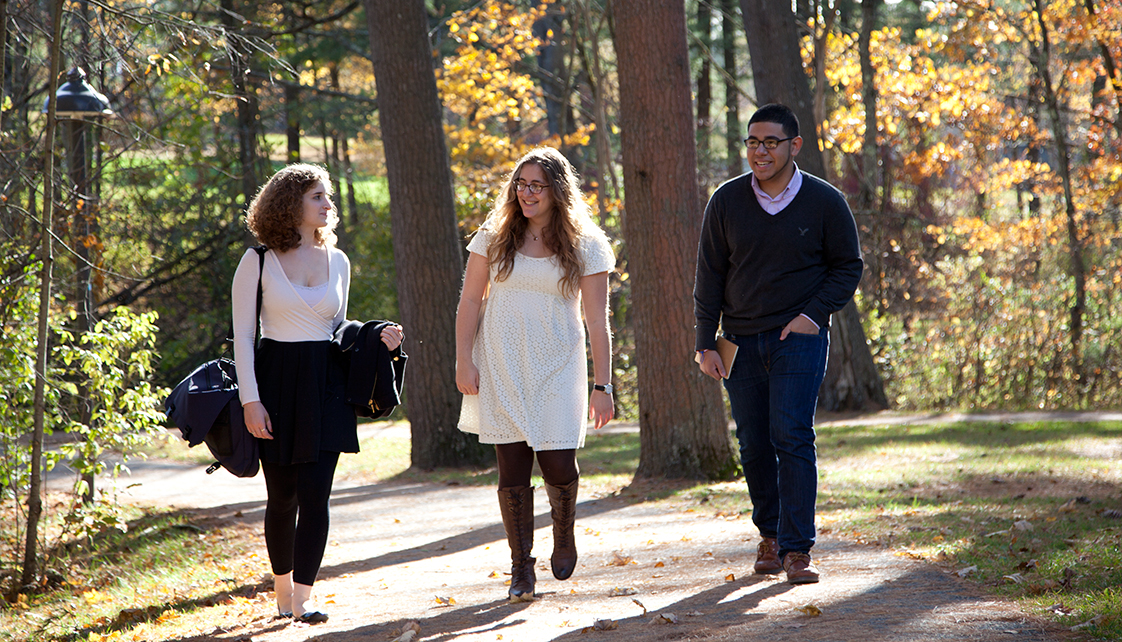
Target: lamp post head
77, 100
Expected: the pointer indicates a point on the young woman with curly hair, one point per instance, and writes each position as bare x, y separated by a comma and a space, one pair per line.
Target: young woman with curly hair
522, 367
291, 386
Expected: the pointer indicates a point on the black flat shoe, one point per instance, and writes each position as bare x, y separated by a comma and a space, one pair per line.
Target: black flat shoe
313, 617
284, 615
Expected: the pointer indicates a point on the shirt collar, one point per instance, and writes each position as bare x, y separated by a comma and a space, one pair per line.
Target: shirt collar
792, 186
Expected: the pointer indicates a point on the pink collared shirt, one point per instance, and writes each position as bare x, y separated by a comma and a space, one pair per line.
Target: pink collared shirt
775, 205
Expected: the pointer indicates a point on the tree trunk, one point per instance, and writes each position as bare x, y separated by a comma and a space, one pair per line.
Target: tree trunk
551, 66
590, 57
683, 428
821, 85
338, 169
847, 384
777, 70
349, 173
853, 383
427, 249
83, 231
704, 74
1114, 76
866, 200
773, 46
869, 172
733, 137
1041, 59
3, 53
247, 106
35, 487
292, 121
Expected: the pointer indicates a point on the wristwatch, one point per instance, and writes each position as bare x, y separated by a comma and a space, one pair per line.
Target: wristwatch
606, 388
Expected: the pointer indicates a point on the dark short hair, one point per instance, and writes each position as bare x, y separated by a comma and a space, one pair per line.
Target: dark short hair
777, 113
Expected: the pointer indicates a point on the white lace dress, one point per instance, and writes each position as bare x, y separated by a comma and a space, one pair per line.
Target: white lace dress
530, 351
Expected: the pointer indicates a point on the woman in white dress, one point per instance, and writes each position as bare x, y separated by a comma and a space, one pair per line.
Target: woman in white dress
520, 359
291, 386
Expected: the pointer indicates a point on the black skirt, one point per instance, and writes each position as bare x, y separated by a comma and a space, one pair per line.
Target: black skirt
301, 385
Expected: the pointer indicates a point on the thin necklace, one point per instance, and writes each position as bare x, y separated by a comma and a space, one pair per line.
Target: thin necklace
532, 234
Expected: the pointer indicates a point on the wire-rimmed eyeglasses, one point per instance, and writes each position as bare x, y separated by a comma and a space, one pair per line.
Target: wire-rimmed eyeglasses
534, 188
768, 143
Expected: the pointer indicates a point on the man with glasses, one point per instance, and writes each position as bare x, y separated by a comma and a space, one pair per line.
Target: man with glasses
778, 255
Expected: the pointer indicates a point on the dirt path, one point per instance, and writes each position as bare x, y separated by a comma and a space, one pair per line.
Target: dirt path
395, 548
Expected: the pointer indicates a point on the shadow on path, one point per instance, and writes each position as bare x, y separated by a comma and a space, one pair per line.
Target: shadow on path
476, 537
921, 605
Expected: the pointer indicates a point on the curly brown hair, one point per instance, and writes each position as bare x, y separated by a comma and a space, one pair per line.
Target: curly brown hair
276, 212
571, 218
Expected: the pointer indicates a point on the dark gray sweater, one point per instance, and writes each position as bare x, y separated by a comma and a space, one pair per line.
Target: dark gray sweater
757, 271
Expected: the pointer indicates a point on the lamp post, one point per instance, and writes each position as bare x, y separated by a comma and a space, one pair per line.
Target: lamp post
76, 102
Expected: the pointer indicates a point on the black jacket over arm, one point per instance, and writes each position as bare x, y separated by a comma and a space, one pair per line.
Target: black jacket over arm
375, 375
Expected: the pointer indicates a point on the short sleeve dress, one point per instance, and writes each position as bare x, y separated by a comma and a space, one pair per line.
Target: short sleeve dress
530, 351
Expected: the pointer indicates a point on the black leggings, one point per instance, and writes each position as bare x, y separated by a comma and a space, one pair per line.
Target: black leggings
297, 546
516, 463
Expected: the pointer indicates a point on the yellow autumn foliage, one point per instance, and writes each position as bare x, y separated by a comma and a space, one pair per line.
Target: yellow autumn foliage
973, 250
494, 107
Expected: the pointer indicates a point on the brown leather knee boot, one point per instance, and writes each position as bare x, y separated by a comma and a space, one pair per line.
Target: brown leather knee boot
517, 507
563, 505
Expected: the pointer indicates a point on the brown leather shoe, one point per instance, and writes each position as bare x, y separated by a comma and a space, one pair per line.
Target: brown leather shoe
767, 557
800, 570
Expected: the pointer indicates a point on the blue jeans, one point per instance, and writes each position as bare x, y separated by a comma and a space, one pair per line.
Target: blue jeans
773, 391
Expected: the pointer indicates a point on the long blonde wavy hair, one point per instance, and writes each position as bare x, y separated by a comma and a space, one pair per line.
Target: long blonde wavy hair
570, 219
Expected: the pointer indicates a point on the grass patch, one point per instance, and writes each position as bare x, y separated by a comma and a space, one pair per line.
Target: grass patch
1031, 511
157, 580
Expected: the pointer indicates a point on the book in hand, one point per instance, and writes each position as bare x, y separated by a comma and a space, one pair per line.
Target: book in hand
727, 350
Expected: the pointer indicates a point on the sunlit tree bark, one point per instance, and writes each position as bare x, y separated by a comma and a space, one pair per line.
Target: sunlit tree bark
852, 381
1041, 58
426, 245
683, 427
35, 490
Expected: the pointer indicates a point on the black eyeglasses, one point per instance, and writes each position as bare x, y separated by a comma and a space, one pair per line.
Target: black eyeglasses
768, 143
534, 188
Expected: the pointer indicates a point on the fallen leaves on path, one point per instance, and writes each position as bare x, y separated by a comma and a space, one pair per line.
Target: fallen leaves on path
811, 610
409, 632
966, 571
601, 625
619, 559
1095, 621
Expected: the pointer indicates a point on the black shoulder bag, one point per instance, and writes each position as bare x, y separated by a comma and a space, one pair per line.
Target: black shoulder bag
206, 408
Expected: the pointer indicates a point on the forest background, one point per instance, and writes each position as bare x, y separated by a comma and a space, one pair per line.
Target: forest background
979, 144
